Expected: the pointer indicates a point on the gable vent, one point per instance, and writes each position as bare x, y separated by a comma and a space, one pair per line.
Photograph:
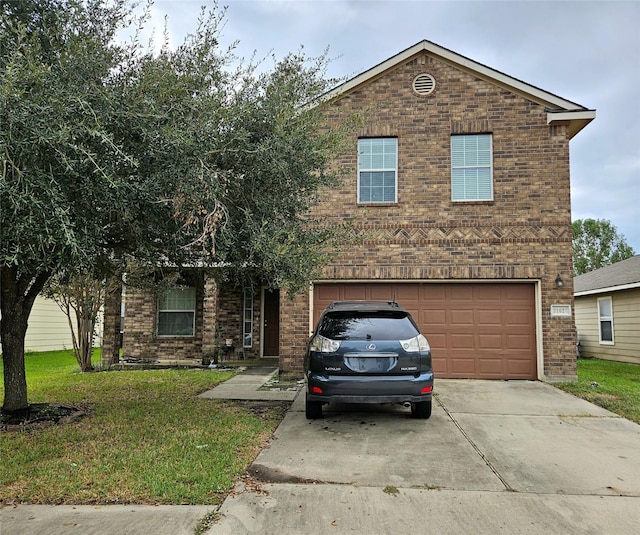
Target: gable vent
424, 84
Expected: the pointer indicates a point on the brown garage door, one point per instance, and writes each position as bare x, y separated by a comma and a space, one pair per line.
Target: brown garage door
480, 331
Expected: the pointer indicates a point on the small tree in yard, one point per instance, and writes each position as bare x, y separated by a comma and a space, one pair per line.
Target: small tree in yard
596, 244
109, 152
80, 298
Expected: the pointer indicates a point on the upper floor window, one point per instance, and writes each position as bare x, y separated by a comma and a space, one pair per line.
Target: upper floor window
471, 168
378, 170
605, 319
176, 312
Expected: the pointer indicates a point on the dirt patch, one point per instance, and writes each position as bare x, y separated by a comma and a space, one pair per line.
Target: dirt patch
39, 415
265, 474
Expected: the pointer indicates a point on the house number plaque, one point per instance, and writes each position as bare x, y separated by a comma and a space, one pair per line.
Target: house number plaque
560, 311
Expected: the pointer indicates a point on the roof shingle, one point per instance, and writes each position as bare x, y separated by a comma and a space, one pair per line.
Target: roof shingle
618, 274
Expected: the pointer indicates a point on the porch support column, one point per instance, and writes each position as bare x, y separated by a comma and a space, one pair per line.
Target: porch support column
209, 317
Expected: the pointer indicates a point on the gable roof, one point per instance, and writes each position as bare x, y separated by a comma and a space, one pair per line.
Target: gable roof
559, 110
623, 275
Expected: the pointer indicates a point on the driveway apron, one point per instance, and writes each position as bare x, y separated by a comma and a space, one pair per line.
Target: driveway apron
496, 456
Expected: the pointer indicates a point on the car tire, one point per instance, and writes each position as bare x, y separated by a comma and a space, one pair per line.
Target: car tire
421, 409
313, 409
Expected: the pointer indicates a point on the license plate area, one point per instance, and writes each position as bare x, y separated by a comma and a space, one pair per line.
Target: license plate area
367, 363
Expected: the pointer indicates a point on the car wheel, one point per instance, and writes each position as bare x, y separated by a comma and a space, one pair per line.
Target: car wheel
313, 409
421, 409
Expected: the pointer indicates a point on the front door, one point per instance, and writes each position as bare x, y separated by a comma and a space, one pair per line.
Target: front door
271, 323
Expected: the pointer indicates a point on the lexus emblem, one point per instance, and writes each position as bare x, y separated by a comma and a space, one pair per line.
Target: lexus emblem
371, 347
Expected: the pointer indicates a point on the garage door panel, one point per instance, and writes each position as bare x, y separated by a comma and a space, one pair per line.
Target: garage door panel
491, 367
518, 341
475, 330
489, 342
518, 317
461, 367
462, 341
490, 317
461, 317
518, 369
460, 292
433, 318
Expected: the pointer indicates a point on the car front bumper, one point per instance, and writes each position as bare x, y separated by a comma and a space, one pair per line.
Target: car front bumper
368, 388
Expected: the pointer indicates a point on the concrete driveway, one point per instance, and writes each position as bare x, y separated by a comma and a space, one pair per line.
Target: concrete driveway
495, 457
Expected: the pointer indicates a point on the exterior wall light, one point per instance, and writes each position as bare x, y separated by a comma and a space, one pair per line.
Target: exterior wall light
559, 281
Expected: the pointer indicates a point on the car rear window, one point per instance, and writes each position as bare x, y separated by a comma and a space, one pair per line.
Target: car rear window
367, 326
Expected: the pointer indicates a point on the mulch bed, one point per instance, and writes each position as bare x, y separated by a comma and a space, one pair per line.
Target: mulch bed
39, 415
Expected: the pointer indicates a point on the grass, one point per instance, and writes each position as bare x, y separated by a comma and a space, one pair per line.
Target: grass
614, 386
148, 438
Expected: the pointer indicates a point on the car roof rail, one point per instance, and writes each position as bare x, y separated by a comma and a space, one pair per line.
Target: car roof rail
364, 301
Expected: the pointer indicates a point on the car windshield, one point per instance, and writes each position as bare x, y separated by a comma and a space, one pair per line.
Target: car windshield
367, 326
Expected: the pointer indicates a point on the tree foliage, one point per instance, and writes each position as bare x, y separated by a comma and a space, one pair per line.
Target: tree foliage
111, 152
596, 244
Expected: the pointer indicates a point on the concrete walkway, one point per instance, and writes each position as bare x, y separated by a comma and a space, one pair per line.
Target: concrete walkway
247, 386
511, 457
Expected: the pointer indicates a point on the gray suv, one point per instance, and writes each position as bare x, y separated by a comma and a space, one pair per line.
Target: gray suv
368, 352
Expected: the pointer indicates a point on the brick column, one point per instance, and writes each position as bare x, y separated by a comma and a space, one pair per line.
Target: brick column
209, 316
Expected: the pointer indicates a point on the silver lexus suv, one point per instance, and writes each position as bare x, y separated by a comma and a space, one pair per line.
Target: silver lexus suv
368, 352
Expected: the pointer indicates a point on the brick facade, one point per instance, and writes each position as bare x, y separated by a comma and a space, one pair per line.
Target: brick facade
218, 317
523, 234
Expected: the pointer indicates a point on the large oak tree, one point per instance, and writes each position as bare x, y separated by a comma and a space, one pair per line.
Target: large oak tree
111, 152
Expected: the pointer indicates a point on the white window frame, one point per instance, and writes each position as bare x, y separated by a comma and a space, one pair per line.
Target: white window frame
389, 165
191, 310
475, 164
604, 318
247, 319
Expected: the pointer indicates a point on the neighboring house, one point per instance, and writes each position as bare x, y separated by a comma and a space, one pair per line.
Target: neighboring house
607, 302
459, 187
48, 328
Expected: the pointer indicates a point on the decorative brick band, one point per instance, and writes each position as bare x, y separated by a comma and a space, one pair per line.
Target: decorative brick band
479, 272
413, 234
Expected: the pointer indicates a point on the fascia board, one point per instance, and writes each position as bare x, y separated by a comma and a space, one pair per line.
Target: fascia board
609, 289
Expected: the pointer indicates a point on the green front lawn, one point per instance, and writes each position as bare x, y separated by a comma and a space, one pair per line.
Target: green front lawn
612, 385
147, 438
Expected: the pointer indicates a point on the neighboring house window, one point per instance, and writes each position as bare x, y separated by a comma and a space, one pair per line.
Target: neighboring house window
471, 168
377, 170
177, 312
247, 323
605, 318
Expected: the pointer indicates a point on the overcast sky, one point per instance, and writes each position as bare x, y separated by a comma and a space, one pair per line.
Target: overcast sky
586, 52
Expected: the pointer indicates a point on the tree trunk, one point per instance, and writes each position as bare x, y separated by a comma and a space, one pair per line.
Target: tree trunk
17, 294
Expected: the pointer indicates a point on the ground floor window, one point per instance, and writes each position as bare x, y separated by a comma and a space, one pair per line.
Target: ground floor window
176, 312
247, 315
605, 318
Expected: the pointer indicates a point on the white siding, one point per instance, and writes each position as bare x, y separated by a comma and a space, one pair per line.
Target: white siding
48, 328
626, 324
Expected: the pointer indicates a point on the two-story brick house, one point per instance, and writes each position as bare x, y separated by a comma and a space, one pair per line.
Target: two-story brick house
459, 188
